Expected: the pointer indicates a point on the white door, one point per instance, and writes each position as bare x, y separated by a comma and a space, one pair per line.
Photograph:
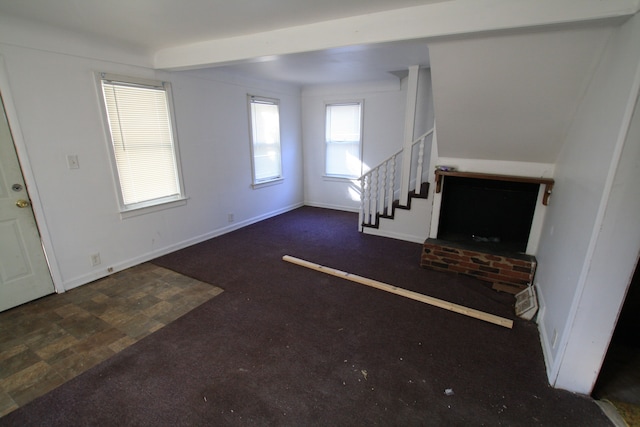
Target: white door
24, 273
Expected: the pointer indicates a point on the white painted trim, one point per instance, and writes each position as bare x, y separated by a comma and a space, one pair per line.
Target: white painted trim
331, 206
544, 338
29, 178
394, 235
259, 99
130, 213
344, 89
435, 215
502, 167
87, 278
409, 126
529, 169
535, 231
141, 208
329, 103
440, 19
634, 93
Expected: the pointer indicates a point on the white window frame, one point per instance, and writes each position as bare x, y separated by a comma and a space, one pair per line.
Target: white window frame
151, 205
327, 105
256, 182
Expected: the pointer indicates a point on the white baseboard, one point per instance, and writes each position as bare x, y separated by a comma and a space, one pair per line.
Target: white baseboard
394, 235
99, 274
545, 340
334, 207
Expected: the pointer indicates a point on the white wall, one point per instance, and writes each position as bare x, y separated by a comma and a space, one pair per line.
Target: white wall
511, 96
579, 300
382, 136
57, 104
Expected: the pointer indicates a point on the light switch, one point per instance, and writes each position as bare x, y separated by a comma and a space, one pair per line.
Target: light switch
72, 161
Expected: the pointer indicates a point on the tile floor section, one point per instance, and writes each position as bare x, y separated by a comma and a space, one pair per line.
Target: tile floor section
51, 340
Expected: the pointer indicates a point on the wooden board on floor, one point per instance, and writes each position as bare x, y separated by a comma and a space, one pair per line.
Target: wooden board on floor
491, 318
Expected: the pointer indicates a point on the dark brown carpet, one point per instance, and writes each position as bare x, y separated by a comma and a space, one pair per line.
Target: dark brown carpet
285, 345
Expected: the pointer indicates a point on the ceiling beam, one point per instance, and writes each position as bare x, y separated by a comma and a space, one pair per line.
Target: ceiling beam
436, 20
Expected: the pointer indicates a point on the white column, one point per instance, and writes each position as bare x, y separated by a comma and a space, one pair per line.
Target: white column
409, 124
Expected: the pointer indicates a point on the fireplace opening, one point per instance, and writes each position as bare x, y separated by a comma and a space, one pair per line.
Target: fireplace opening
493, 215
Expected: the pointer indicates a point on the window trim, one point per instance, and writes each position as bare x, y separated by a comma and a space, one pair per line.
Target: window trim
153, 205
255, 184
340, 177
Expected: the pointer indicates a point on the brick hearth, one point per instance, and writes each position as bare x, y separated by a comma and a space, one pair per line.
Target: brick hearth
512, 269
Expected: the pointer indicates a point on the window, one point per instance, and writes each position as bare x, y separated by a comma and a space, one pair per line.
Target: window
343, 140
265, 140
143, 141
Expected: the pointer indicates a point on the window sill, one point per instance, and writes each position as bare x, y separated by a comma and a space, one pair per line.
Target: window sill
267, 183
143, 210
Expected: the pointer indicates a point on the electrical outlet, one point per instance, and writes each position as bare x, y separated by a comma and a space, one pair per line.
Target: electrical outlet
72, 161
230, 217
95, 259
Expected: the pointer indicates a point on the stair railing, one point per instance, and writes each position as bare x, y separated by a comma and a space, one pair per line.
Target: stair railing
381, 186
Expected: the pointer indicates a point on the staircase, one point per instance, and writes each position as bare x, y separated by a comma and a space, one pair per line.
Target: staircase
384, 211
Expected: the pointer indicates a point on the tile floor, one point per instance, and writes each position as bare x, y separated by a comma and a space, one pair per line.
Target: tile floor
51, 340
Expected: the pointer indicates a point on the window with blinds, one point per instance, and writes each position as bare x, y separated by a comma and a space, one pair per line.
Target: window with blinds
265, 139
143, 141
343, 140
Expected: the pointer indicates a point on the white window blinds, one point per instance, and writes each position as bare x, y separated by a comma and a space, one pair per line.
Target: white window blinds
343, 140
265, 139
143, 143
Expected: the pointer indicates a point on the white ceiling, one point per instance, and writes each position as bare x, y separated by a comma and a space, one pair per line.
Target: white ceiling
153, 25
158, 24
368, 63
243, 35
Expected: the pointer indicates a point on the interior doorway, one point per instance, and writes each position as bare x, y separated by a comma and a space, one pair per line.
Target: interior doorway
619, 379
24, 271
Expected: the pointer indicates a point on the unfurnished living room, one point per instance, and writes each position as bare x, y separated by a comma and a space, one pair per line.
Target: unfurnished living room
355, 212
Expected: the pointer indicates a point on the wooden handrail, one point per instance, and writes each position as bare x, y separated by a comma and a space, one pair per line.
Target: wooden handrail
548, 182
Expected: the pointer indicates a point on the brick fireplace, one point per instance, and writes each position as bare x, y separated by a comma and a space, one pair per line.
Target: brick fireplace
487, 227
511, 270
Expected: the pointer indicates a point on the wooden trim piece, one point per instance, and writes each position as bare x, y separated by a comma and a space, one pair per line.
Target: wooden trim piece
501, 321
548, 182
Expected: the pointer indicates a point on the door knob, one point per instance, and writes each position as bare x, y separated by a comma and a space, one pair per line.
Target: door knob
22, 203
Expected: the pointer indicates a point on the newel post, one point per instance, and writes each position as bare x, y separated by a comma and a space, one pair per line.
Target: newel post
409, 125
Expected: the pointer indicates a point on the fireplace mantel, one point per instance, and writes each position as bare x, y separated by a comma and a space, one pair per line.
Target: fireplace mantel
548, 182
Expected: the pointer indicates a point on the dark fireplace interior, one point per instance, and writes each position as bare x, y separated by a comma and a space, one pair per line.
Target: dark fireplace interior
487, 214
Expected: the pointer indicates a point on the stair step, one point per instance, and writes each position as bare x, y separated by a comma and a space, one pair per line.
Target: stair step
424, 194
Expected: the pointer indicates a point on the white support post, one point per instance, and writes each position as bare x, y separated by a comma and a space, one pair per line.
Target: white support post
374, 195
419, 166
382, 187
409, 125
361, 212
